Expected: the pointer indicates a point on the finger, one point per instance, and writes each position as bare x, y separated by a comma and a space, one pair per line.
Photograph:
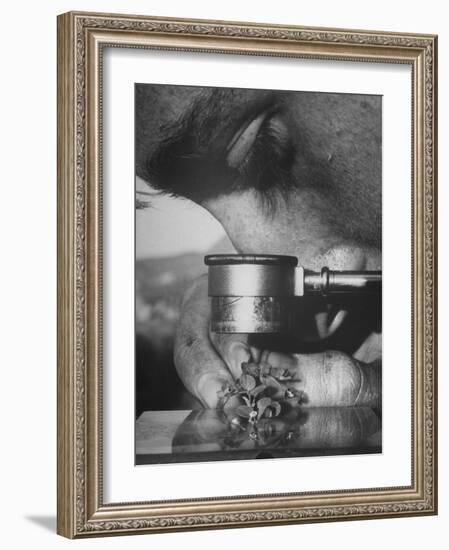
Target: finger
279, 360
255, 354
199, 366
233, 349
331, 379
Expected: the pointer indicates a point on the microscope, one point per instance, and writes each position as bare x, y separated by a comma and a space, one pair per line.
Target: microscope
257, 293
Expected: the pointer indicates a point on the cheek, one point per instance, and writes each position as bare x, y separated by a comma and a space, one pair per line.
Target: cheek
296, 228
293, 228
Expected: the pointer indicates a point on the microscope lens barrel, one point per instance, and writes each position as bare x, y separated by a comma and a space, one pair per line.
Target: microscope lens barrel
331, 282
259, 293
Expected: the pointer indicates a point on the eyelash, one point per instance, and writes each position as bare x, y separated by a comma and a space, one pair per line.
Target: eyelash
272, 142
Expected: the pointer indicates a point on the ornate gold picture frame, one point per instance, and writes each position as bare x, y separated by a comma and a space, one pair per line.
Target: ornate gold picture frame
82, 40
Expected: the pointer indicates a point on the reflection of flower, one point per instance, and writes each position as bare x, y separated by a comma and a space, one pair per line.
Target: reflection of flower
264, 391
241, 433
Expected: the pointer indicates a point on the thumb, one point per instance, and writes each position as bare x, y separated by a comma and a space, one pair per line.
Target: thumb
233, 350
332, 378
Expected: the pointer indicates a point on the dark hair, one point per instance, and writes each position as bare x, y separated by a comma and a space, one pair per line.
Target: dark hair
191, 158
188, 163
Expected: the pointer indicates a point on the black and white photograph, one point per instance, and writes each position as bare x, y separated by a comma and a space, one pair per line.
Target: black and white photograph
258, 274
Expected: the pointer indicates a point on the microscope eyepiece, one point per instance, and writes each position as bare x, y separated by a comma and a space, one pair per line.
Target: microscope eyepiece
253, 292
252, 259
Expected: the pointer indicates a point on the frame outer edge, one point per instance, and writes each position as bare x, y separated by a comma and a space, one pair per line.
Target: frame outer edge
76, 227
66, 340
434, 296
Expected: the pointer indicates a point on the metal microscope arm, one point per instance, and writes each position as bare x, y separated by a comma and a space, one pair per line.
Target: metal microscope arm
252, 293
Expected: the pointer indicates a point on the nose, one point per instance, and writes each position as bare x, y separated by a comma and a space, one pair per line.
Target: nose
320, 318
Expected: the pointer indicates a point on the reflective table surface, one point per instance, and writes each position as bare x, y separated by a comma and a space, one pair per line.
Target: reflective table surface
205, 435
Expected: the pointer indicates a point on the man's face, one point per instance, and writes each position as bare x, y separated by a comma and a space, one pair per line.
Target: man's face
284, 172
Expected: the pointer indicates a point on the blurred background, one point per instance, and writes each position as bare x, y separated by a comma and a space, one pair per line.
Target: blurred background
172, 237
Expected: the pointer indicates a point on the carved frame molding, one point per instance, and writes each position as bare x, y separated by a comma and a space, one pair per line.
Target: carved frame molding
81, 38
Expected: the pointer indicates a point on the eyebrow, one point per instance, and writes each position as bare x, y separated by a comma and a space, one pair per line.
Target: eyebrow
190, 160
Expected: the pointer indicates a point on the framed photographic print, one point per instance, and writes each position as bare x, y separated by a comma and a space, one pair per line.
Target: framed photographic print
246, 274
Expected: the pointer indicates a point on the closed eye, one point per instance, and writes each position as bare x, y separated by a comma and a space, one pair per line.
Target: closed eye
243, 140
263, 154
259, 157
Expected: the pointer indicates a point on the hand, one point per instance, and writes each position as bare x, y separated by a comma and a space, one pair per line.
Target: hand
207, 362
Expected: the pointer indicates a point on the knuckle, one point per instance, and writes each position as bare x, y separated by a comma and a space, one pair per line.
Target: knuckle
187, 344
346, 376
